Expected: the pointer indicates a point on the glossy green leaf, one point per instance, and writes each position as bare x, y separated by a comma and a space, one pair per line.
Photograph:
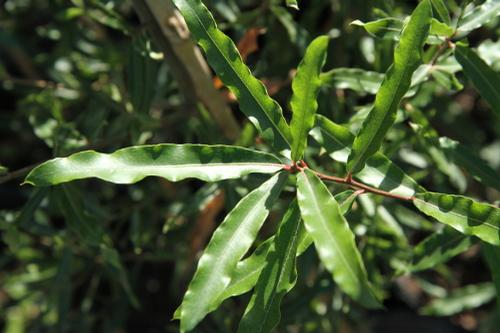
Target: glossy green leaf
379, 171
333, 238
465, 215
247, 271
305, 87
471, 162
359, 80
170, 161
440, 29
229, 243
479, 16
386, 28
486, 80
492, 256
407, 57
438, 248
466, 298
276, 279
292, 4
441, 11
264, 112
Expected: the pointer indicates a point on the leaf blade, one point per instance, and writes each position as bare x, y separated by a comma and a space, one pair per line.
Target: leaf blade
170, 161
229, 243
486, 80
305, 87
379, 170
333, 239
479, 16
276, 279
396, 83
469, 217
264, 112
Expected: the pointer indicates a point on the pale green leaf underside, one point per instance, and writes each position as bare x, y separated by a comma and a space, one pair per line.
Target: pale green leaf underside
173, 162
479, 16
438, 248
465, 215
305, 87
466, 298
228, 244
396, 83
485, 79
264, 112
333, 239
276, 279
292, 4
379, 171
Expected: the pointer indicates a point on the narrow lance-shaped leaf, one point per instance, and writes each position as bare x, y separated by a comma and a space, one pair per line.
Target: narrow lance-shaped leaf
379, 171
229, 243
359, 80
333, 238
292, 4
442, 12
248, 270
492, 256
466, 298
276, 279
471, 162
486, 80
479, 16
407, 57
305, 87
264, 112
465, 215
170, 161
438, 248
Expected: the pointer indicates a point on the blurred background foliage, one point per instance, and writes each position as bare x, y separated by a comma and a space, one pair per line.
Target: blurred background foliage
96, 257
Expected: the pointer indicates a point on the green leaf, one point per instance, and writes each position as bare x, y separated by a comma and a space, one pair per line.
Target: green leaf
359, 80
229, 243
441, 11
440, 29
247, 271
113, 263
471, 162
459, 300
333, 238
170, 161
486, 81
492, 256
465, 215
438, 248
386, 28
70, 202
277, 278
305, 87
264, 112
407, 57
479, 16
292, 4
379, 171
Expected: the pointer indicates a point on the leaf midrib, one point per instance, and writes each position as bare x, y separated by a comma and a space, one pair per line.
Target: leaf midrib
325, 224
238, 75
451, 212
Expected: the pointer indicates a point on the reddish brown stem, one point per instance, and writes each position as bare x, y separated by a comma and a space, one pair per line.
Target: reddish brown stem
357, 185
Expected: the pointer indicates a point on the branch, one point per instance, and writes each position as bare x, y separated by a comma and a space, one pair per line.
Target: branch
169, 30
